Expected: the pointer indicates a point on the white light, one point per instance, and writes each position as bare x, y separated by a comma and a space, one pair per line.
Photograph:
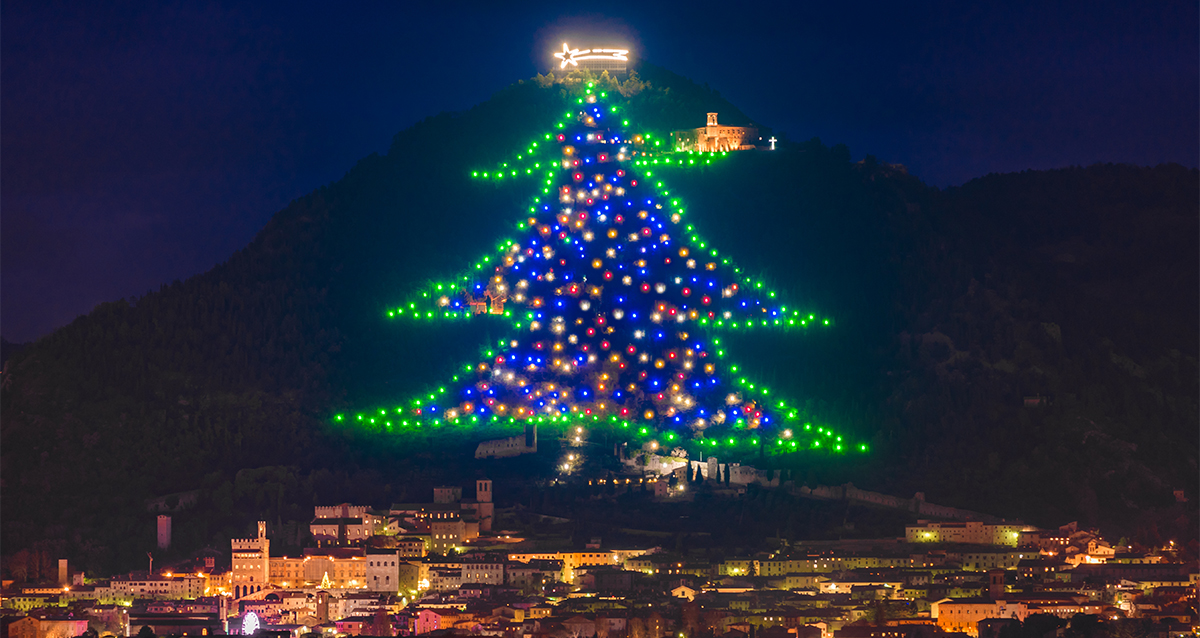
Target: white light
572, 56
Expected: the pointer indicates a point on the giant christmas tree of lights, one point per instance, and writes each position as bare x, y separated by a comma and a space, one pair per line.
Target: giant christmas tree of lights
615, 306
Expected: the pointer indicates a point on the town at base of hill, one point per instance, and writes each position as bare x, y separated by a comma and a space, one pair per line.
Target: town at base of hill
455, 566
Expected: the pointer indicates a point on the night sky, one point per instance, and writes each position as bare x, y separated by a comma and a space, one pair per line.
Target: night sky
144, 142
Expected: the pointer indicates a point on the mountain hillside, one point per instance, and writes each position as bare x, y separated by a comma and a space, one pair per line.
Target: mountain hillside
1077, 288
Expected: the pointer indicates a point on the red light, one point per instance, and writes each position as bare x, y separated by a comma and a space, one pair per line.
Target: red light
577, 177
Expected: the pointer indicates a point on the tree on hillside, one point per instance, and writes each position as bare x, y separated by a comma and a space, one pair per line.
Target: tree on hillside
613, 304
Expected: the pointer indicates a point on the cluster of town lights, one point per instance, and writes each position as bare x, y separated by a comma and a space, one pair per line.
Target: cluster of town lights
609, 295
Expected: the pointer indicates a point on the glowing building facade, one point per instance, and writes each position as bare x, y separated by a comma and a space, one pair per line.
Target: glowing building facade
251, 562
714, 138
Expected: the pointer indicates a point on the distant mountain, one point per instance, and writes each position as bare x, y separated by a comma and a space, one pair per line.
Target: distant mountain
1025, 344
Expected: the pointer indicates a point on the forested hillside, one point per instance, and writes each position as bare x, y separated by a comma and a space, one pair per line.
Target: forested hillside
1078, 286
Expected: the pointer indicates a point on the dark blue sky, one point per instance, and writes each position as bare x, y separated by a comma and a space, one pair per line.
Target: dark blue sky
144, 141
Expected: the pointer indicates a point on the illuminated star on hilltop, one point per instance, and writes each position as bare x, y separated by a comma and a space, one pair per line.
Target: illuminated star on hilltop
572, 56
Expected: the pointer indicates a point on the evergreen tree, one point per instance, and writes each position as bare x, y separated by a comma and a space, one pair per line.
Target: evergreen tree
614, 303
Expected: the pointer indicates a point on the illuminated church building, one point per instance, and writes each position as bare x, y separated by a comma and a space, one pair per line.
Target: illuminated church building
714, 138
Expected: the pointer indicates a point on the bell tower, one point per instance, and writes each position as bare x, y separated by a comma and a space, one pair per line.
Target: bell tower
483, 498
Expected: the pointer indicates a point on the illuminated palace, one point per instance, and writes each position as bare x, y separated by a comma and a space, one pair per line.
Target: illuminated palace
713, 138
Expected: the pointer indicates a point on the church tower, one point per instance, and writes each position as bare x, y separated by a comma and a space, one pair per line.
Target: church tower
483, 496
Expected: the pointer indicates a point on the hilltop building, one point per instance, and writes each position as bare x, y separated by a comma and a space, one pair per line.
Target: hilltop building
713, 138
509, 446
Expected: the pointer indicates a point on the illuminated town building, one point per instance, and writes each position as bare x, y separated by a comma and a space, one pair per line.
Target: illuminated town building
714, 138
